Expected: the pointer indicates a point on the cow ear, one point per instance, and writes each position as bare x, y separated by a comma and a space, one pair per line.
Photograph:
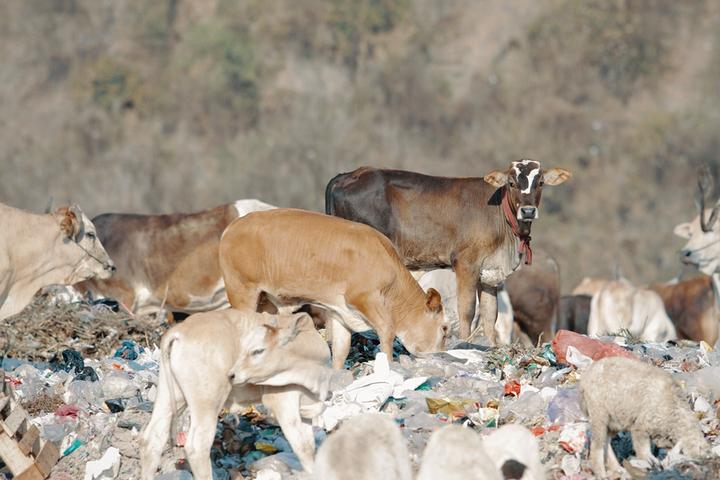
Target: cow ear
683, 230
496, 179
433, 301
298, 323
556, 176
70, 223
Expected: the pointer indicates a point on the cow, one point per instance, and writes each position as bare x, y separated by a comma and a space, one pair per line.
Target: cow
231, 359
620, 305
589, 286
40, 250
479, 227
349, 269
167, 261
574, 313
534, 292
692, 306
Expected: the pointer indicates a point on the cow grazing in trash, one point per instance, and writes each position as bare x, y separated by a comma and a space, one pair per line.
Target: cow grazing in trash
620, 305
40, 250
231, 359
167, 262
369, 446
349, 269
476, 226
622, 394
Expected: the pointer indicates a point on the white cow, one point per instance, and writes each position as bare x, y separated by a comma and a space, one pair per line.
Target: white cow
619, 305
230, 359
40, 250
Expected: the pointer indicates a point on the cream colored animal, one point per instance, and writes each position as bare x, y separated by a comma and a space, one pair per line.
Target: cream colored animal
457, 453
365, 447
230, 359
40, 250
589, 286
621, 305
348, 269
515, 452
622, 394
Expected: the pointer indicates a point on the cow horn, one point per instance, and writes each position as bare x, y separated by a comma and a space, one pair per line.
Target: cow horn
705, 184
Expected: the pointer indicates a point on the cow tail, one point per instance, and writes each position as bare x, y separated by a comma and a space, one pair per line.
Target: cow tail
169, 378
329, 210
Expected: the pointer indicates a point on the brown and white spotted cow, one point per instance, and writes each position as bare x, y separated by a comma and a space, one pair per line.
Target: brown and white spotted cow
476, 226
168, 261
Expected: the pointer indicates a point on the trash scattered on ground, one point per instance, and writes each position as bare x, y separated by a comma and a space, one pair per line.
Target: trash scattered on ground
87, 415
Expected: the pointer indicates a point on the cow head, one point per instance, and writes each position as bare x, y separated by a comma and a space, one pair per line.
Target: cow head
524, 181
703, 233
79, 243
282, 350
429, 332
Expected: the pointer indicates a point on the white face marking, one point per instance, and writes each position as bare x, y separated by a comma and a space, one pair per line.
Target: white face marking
530, 179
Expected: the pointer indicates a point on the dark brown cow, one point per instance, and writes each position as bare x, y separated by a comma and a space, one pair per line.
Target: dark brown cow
534, 292
692, 307
168, 261
574, 313
476, 226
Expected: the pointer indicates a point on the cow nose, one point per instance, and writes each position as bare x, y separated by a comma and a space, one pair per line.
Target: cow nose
528, 212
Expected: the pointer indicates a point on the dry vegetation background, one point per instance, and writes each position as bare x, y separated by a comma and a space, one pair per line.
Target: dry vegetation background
177, 105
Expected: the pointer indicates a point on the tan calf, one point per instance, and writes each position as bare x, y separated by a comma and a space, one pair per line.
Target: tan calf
230, 359
347, 268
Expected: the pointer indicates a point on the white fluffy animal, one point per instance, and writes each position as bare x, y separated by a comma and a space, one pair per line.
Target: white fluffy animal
515, 452
365, 447
457, 453
622, 394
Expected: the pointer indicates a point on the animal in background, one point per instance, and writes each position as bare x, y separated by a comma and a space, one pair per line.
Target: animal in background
620, 305
230, 359
515, 452
623, 394
169, 261
38, 250
347, 269
476, 226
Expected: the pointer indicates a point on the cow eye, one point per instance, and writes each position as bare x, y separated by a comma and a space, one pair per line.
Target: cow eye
257, 352
90, 235
541, 183
512, 183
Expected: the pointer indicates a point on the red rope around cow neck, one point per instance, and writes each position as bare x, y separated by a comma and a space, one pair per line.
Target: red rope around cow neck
511, 218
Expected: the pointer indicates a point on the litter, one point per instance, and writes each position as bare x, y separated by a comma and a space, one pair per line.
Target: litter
107, 467
589, 347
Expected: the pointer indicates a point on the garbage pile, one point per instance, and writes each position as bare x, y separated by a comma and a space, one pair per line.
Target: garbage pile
94, 409
48, 325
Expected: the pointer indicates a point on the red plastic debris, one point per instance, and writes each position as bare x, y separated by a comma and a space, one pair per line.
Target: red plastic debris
67, 411
512, 388
537, 431
590, 347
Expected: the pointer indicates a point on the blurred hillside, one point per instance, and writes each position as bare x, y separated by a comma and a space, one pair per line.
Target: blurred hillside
180, 105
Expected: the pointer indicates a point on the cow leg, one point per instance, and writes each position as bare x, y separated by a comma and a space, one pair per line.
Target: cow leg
488, 311
598, 445
155, 435
467, 279
204, 406
371, 307
284, 403
340, 343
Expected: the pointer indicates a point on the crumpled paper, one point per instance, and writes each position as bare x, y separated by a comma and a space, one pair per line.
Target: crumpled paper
367, 394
